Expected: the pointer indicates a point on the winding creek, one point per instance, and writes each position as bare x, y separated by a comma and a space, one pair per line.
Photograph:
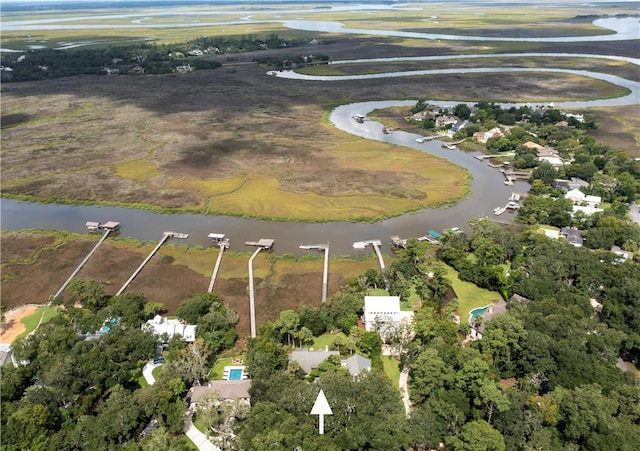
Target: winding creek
487, 188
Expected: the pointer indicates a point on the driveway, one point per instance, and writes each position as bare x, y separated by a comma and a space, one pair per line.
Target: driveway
147, 372
634, 212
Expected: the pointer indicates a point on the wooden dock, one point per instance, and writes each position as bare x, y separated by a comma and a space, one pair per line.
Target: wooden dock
82, 263
325, 271
361, 245
425, 139
264, 243
252, 300
165, 237
222, 243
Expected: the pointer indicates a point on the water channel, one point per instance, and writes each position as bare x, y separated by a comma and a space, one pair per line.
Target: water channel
487, 188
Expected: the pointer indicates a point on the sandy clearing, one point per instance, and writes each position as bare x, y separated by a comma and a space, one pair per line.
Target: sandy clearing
12, 326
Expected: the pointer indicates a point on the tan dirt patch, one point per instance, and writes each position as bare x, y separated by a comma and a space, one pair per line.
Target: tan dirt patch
12, 325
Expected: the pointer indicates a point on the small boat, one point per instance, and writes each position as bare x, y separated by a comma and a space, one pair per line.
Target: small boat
499, 210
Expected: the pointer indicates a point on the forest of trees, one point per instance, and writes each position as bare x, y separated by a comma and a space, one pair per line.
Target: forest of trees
78, 390
543, 376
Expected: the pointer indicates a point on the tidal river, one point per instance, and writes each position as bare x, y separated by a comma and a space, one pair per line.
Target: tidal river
487, 192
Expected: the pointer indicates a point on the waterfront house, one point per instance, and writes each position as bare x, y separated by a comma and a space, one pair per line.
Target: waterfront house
579, 198
381, 312
483, 137
568, 185
164, 327
441, 121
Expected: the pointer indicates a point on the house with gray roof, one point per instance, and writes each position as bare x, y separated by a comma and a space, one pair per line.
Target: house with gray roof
308, 360
497, 308
573, 236
356, 364
223, 390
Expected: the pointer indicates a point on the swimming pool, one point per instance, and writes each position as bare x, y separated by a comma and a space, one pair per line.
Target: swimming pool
475, 312
109, 324
235, 374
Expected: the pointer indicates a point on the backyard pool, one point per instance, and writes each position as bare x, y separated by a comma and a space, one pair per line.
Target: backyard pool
235, 374
475, 312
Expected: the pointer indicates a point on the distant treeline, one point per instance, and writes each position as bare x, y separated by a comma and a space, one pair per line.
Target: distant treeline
135, 59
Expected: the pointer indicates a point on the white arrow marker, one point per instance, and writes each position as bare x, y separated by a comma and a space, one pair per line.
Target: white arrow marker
321, 407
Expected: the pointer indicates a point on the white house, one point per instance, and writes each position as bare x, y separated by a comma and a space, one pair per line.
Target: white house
381, 310
580, 198
483, 137
586, 210
160, 326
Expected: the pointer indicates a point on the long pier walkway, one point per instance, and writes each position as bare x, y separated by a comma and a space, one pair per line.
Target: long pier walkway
376, 246
266, 244
252, 298
325, 270
215, 270
165, 237
222, 245
79, 267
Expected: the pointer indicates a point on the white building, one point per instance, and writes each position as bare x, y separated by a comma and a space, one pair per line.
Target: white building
586, 210
579, 198
162, 326
381, 310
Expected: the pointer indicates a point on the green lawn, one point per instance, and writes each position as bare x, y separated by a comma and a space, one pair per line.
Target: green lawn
470, 296
392, 370
412, 303
30, 322
325, 340
218, 368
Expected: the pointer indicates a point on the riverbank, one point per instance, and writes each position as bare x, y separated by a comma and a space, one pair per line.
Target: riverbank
45, 259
